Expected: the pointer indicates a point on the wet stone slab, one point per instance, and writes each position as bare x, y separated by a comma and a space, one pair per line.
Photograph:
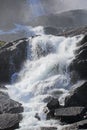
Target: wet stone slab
48, 128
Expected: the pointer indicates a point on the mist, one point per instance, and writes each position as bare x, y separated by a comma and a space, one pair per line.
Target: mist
23, 11
57, 6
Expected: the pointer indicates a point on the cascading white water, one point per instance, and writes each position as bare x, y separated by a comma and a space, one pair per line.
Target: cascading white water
44, 72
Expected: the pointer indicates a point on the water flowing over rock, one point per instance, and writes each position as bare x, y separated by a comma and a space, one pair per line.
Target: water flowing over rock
44, 72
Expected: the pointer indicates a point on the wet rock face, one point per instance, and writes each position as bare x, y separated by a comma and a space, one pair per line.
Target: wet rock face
70, 114
9, 121
48, 128
78, 125
9, 111
53, 104
78, 95
79, 64
12, 55
8, 105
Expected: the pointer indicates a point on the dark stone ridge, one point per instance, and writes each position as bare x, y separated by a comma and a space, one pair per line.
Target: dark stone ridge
78, 95
79, 64
52, 30
73, 32
70, 114
48, 128
12, 56
82, 42
9, 121
76, 126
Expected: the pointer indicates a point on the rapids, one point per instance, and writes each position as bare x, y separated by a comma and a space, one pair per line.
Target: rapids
44, 73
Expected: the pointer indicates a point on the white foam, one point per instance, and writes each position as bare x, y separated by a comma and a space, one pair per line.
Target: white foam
44, 73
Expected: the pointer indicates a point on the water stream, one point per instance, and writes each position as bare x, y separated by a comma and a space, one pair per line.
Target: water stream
44, 74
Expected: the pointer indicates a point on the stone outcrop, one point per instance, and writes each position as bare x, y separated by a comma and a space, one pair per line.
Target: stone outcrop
70, 114
79, 64
9, 121
75, 126
12, 56
73, 32
78, 95
8, 105
48, 128
10, 111
52, 105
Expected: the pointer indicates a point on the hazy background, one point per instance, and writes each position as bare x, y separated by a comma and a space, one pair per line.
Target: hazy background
39, 12
22, 11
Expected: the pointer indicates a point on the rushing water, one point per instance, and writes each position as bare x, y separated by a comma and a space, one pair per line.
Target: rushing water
45, 73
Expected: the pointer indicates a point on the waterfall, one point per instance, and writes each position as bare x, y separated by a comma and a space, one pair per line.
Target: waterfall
45, 71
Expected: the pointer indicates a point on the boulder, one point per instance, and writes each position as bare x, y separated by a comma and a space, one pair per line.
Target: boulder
8, 105
75, 126
70, 114
9, 121
79, 63
77, 95
53, 104
12, 56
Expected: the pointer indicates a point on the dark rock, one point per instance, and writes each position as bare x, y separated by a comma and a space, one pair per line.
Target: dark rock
52, 30
70, 114
12, 56
50, 115
9, 121
74, 77
83, 41
37, 116
53, 104
78, 95
74, 31
48, 128
8, 105
79, 64
3, 87
75, 126
47, 99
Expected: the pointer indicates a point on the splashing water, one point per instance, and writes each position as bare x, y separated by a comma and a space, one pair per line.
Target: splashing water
45, 72
29, 31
